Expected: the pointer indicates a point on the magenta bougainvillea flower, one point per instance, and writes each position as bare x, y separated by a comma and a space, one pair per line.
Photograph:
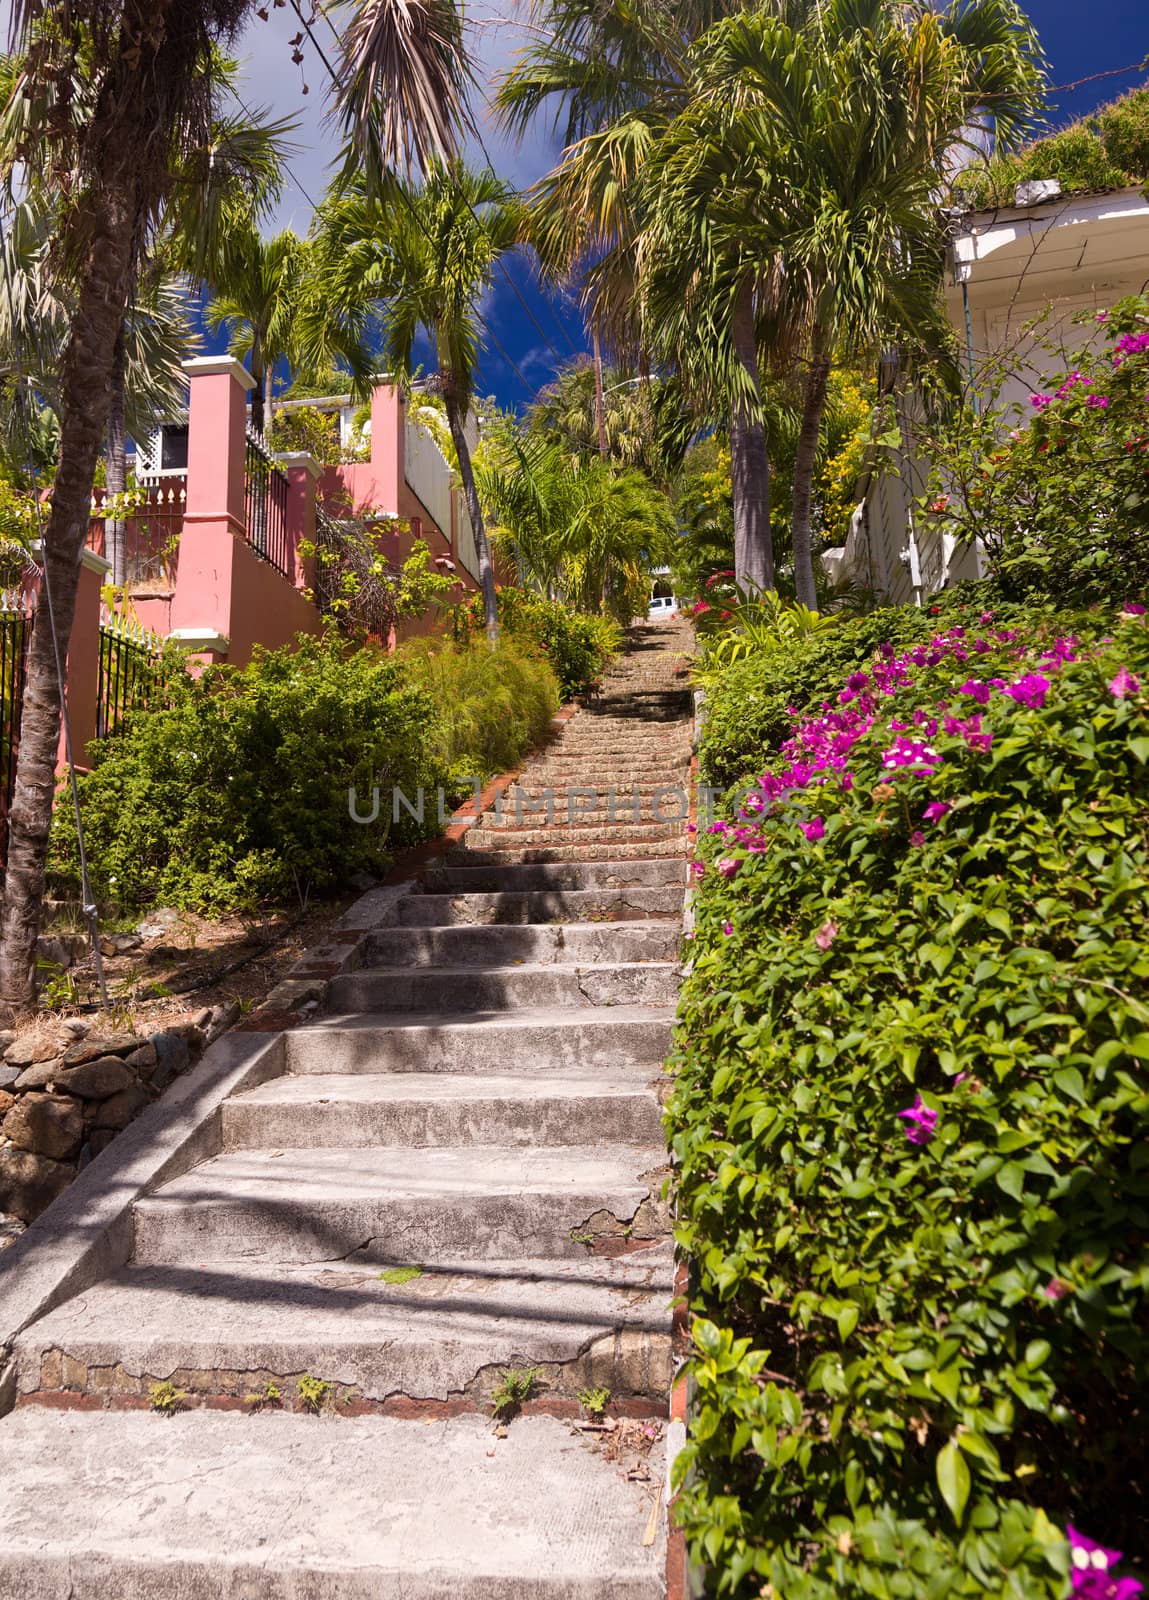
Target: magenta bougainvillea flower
920, 1120
826, 935
1091, 1570
1029, 690
917, 838
814, 830
1123, 684
728, 928
698, 869
729, 865
1056, 1289
1132, 608
936, 810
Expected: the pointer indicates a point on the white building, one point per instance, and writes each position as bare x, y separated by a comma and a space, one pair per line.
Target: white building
1015, 279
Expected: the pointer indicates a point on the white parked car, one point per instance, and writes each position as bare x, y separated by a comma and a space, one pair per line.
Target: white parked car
661, 607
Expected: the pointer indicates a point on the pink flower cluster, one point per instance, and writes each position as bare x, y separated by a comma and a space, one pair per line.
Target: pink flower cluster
1091, 1570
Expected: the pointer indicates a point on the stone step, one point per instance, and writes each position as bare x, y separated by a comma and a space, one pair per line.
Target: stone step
353, 1111
627, 810
541, 905
631, 1040
487, 877
216, 1507
611, 833
537, 855
646, 776
455, 989
440, 1334
397, 1206
505, 945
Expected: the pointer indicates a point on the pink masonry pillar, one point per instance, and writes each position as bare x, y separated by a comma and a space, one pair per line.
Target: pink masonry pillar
214, 515
303, 473
388, 447
82, 669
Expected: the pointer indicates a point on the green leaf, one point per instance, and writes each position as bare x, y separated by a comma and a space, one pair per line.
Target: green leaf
847, 1321
855, 1483
953, 1479
1011, 1179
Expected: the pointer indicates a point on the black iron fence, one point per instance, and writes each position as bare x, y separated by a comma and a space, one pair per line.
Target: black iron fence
16, 613
131, 672
266, 491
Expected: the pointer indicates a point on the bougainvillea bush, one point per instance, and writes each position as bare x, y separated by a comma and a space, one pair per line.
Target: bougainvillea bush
910, 1119
1057, 490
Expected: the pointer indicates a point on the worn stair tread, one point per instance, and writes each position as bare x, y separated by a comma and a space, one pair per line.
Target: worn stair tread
428, 1338
510, 984
395, 1204
282, 1507
552, 1038
442, 1108
605, 872
485, 946
515, 907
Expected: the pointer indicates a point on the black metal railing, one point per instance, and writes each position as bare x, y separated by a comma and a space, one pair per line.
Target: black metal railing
266, 491
16, 613
131, 672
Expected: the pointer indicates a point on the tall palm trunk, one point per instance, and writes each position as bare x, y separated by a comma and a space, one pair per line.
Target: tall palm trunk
813, 406
749, 463
85, 398
258, 381
599, 406
268, 400
115, 528
471, 495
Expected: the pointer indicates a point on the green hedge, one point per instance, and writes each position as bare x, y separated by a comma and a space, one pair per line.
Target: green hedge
235, 796
910, 1119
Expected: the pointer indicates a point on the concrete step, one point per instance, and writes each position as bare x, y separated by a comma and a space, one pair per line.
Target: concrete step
455, 989
541, 905
442, 1334
622, 776
489, 878
535, 855
318, 1110
504, 945
611, 833
581, 813
397, 1206
216, 1507
624, 1040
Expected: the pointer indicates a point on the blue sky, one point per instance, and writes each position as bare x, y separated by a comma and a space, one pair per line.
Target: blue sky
1080, 40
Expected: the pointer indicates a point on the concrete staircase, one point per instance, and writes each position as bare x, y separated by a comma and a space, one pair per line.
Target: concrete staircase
460, 1173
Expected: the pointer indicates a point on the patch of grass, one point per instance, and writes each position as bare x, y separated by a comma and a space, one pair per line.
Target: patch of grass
516, 1387
398, 1275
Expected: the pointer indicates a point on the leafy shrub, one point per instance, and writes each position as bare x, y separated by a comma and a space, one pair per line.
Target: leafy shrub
577, 645
910, 1121
236, 795
308, 429
1107, 150
1061, 506
491, 705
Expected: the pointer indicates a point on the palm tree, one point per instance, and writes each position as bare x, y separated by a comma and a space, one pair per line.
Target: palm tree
638, 422
817, 141
623, 73
575, 526
103, 107
429, 253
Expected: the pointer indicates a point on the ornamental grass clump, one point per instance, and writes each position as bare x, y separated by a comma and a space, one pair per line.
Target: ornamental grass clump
910, 1124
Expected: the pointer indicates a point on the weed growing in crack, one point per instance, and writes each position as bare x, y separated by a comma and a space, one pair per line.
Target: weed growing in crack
312, 1392
515, 1388
580, 1236
268, 1397
166, 1399
594, 1402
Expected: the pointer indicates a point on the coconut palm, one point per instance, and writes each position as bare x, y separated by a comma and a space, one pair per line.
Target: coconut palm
104, 107
429, 254
637, 422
